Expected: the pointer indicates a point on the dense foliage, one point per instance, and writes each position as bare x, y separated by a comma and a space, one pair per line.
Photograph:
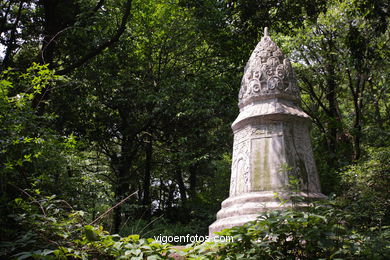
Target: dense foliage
115, 120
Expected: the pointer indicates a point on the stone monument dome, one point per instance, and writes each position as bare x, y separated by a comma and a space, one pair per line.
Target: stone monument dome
271, 141
267, 74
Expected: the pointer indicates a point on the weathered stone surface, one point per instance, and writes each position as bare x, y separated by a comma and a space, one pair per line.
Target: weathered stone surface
271, 140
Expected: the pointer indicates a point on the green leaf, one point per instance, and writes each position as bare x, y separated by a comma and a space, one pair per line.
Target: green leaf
91, 233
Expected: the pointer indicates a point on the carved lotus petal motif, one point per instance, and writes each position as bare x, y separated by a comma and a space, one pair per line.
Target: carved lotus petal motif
264, 55
254, 85
273, 61
274, 82
267, 69
278, 53
280, 71
257, 74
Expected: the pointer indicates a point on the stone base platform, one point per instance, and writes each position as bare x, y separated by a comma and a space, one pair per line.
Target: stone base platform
243, 208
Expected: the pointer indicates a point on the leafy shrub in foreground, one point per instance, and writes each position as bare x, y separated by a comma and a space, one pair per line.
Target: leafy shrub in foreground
320, 233
48, 229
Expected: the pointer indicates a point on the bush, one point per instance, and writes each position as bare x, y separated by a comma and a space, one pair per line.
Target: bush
322, 232
366, 186
49, 229
52, 231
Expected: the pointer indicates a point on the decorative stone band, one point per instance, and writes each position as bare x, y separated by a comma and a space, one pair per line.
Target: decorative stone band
255, 98
241, 209
268, 196
270, 110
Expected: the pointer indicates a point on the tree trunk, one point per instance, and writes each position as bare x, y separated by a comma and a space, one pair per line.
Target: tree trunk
182, 187
334, 118
12, 39
332, 126
358, 107
183, 195
55, 20
193, 180
147, 178
126, 183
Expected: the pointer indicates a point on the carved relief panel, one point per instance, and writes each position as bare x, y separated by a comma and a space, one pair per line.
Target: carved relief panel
304, 150
240, 162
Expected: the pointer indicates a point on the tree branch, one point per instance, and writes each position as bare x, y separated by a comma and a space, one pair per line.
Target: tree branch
3, 26
50, 41
98, 6
12, 37
313, 94
113, 207
105, 45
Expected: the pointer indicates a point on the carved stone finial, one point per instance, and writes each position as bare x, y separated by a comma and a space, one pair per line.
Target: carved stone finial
266, 31
268, 74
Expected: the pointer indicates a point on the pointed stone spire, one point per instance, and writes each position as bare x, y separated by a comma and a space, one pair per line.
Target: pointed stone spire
266, 31
271, 141
267, 74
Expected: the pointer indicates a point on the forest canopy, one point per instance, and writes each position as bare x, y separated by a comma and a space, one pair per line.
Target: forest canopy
115, 118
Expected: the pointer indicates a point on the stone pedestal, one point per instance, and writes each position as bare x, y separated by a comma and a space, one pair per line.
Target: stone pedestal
271, 141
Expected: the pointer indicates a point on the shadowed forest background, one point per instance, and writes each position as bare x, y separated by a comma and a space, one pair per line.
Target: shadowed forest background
101, 99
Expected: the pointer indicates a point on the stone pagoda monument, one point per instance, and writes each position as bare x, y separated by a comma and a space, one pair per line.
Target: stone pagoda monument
271, 141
